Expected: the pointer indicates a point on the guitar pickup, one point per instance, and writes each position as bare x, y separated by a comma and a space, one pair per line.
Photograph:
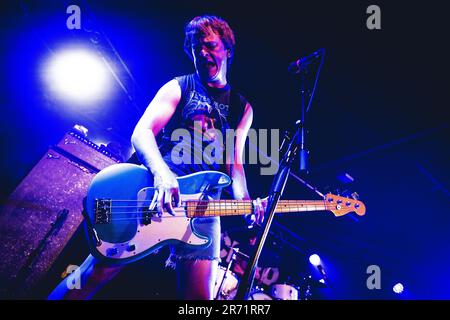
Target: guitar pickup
146, 216
103, 211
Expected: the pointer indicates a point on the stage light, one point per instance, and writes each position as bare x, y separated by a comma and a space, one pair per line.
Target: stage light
398, 288
77, 75
314, 259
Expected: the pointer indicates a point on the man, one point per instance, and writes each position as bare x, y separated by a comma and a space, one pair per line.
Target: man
201, 100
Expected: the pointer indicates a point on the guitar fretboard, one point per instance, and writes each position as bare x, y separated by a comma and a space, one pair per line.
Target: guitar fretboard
215, 208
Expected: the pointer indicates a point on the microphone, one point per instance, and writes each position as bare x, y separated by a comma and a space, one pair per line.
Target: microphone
302, 63
322, 272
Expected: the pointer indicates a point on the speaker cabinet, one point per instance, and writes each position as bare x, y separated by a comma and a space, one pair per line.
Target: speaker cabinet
44, 211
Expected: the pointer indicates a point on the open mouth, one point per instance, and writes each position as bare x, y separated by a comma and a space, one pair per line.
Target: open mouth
209, 67
210, 64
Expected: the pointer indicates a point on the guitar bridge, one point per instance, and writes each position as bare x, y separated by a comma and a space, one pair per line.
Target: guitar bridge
103, 211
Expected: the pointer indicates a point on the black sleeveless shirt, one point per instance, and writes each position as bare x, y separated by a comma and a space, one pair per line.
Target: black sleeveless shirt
223, 106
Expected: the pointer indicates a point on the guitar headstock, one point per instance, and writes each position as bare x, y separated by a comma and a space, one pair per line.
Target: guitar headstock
342, 205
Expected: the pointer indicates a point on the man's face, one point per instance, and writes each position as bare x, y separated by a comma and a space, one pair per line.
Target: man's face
210, 57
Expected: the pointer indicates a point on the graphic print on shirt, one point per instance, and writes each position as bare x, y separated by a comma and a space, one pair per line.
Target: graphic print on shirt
200, 104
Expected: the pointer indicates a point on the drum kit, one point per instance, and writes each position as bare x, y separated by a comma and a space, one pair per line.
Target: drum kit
279, 291
227, 283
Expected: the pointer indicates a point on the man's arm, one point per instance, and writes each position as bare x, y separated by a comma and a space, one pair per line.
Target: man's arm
239, 185
155, 117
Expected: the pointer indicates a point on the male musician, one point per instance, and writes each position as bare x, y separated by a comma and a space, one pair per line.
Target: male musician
205, 101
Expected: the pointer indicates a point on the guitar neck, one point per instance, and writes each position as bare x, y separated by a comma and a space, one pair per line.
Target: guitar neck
215, 208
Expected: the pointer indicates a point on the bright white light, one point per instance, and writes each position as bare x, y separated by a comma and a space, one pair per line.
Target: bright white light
78, 75
398, 288
314, 259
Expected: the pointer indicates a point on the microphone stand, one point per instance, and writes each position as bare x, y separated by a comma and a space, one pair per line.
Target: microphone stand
279, 182
303, 152
277, 189
306, 99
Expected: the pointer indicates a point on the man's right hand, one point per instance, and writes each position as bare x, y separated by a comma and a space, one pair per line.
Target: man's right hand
168, 190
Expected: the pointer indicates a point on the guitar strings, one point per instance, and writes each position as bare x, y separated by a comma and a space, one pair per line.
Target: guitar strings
168, 215
197, 213
221, 207
222, 203
212, 208
212, 200
232, 206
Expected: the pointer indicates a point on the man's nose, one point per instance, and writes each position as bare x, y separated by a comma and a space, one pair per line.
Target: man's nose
204, 51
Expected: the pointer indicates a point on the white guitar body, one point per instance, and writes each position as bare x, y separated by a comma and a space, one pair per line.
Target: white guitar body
117, 200
161, 230
123, 225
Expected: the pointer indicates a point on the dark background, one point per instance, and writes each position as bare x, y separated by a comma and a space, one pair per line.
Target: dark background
379, 114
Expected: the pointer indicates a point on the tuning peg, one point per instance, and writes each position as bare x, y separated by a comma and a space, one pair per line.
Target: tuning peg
355, 195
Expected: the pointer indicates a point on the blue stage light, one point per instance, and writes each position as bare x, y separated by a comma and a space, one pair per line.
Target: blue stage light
78, 75
398, 288
314, 259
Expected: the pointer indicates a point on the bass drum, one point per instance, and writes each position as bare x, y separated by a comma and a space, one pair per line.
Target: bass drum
284, 291
259, 295
228, 282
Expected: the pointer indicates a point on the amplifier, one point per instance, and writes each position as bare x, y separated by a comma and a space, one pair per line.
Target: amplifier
44, 211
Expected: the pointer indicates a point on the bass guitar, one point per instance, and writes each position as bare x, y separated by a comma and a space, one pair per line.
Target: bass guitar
123, 225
